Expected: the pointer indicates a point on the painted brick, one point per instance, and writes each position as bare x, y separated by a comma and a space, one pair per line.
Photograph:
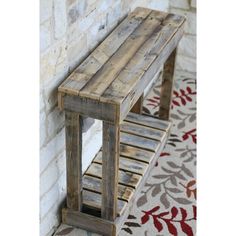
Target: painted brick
185, 63
51, 150
60, 18
190, 25
48, 200
53, 61
73, 14
55, 121
49, 223
187, 46
45, 9
45, 35
194, 3
43, 132
77, 50
161, 5
184, 4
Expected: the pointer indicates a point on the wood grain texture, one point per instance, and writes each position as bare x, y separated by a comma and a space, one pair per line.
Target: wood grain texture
167, 87
148, 121
142, 131
96, 60
110, 167
126, 164
73, 129
104, 77
88, 222
136, 153
94, 201
95, 185
118, 70
125, 178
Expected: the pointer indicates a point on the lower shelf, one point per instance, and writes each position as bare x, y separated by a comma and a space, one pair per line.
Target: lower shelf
140, 139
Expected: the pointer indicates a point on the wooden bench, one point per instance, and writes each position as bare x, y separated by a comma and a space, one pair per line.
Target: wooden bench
108, 85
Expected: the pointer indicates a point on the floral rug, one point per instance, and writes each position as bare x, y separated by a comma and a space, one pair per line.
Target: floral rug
167, 204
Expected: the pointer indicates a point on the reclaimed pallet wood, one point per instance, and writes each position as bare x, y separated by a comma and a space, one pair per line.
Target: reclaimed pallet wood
126, 178
126, 164
94, 184
136, 50
109, 85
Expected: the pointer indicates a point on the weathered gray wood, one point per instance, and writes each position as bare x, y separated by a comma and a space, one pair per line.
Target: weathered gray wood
91, 108
120, 220
110, 167
136, 153
91, 65
94, 201
106, 86
141, 142
88, 222
73, 129
95, 185
126, 164
104, 77
148, 121
167, 87
143, 131
142, 59
143, 79
126, 178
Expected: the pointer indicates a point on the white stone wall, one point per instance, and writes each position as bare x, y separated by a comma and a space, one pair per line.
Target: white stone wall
186, 57
69, 30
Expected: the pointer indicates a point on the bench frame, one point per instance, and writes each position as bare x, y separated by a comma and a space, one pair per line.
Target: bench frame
112, 115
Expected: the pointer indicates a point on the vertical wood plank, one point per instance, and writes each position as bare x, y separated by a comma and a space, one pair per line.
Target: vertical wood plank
73, 125
167, 86
138, 106
110, 168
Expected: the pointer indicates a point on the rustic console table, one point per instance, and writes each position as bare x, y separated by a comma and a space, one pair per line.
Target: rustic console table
109, 86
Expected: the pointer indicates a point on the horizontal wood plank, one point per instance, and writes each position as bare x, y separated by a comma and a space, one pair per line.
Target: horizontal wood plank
148, 121
126, 164
95, 184
94, 200
126, 178
136, 153
143, 131
94, 62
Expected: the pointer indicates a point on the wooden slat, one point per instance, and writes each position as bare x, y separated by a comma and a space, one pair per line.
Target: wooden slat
91, 65
88, 222
126, 164
126, 178
73, 130
101, 80
91, 108
95, 184
110, 167
139, 64
143, 131
167, 87
137, 141
144, 80
136, 153
94, 201
148, 121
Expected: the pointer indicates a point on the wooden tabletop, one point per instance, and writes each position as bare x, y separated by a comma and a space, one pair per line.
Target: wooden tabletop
120, 68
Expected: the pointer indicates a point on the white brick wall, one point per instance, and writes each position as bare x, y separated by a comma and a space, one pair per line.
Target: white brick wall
186, 58
69, 30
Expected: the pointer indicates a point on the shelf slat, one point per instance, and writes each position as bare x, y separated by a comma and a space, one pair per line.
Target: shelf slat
95, 185
126, 164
